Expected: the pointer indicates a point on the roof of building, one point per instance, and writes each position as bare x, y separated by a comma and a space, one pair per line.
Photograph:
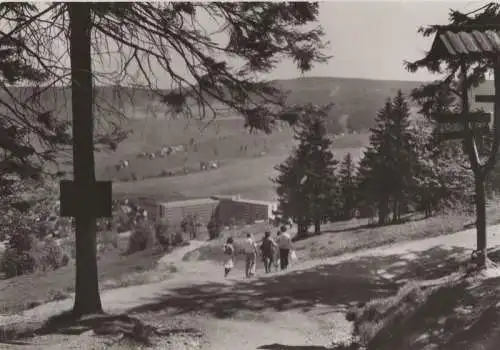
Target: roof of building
224, 196
188, 202
465, 41
253, 201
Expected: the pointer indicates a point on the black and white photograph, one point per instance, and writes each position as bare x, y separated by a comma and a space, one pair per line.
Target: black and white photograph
246, 175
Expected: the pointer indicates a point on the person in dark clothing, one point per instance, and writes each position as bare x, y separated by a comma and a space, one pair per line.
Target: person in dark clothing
267, 249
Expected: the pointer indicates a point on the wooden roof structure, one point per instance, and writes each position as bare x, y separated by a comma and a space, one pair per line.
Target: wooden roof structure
472, 42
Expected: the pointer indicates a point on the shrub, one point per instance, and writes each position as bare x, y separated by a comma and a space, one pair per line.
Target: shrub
162, 235
108, 240
26, 254
214, 228
16, 263
178, 239
190, 225
141, 238
49, 255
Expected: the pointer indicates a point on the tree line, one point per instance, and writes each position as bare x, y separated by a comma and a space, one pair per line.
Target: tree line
406, 168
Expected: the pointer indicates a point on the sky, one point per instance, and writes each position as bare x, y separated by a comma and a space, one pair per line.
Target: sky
368, 39
371, 39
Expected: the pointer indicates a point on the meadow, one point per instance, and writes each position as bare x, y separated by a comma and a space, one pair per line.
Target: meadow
246, 160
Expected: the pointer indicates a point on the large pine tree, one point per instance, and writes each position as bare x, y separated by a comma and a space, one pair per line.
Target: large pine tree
373, 189
388, 167
152, 43
347, 187
306, 184
404, 158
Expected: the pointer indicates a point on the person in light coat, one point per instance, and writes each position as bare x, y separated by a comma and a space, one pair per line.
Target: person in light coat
229, 254
285, 247
250, 250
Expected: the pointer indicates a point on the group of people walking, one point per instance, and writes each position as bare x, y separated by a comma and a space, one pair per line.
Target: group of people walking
273, 252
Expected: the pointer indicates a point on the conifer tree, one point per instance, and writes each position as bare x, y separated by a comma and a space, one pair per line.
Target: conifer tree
347, 187
306, 184
404, 158
388, 167
145, 43
373, 189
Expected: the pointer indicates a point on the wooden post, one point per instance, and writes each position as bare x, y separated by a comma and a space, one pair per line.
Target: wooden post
467, 133
457, 122
471, 150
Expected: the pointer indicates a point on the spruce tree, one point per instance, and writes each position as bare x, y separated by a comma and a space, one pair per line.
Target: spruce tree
404, 159
306, 184
347, 187
373, 189
388, 167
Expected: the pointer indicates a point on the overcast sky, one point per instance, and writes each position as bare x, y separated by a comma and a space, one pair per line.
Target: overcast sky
368, 39
371, 39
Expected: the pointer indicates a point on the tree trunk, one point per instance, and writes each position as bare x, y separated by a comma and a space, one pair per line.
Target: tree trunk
317, 227
428, 209
87, 298
481, 219
383, 212
395, 211
302, 230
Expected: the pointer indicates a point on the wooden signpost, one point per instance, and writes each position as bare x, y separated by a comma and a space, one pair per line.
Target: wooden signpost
454, 126
101, 197
474, 46
485, 98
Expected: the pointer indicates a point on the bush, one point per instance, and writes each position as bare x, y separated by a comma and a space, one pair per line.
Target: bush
26, 254
162, 235
49, 255
178, 239
214, 229
141, 238
16, 263
108, 241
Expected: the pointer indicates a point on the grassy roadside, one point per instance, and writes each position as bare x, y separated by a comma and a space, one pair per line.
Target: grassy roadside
115, 271
354, 235
119, 271
458, 313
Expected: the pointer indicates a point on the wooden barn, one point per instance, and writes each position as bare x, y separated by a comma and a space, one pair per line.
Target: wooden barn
236, 210
173, 213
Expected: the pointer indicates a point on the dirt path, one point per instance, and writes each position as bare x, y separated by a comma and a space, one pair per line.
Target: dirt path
304, 306
290, 327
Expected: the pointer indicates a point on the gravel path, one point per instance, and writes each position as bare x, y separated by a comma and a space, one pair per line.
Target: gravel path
317, 326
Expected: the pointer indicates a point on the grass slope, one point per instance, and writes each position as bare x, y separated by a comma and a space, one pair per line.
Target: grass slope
115, 270
248, 176
356, 102
455, 312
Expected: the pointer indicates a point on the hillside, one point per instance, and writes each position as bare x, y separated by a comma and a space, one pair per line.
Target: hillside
224, 140
355, 100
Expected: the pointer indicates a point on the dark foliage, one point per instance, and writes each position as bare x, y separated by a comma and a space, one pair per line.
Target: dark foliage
307, 184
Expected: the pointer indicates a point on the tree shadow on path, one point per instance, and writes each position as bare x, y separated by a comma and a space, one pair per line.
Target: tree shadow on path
291, 347
464, 314
335, 285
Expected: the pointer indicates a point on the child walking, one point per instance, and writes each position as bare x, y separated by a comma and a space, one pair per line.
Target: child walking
229, 253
